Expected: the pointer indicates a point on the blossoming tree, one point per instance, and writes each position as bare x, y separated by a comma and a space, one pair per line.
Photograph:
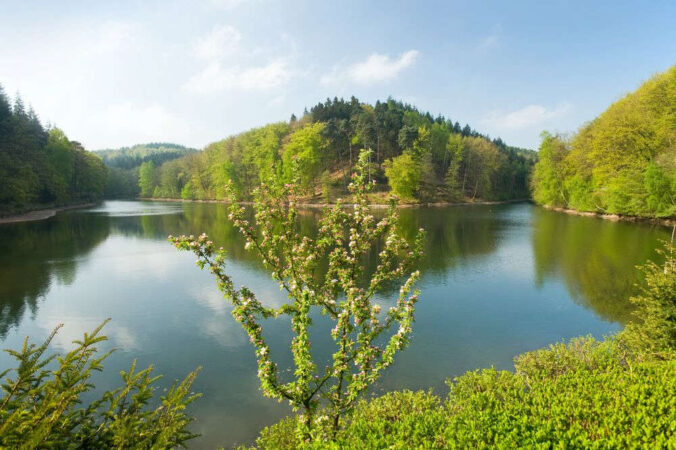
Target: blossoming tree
324, 273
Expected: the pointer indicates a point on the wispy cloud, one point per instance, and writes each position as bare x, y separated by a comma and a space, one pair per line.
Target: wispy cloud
489, 42
216, 78
376, 68
229, 64
528, 116
222, 40
139, 123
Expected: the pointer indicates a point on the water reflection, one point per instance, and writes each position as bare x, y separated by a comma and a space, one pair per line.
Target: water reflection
497, 280
596, 259
35, 255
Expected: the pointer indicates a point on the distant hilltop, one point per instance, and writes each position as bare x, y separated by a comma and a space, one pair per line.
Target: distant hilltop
419, 157
134, 156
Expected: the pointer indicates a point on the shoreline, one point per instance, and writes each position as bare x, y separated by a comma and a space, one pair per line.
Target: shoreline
329, 205
666, 222
42, 214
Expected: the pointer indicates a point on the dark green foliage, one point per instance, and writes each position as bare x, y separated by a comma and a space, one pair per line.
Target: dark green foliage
132, 157
122, 183
328, 139
40, 167
623, 162
123, 167
41, 406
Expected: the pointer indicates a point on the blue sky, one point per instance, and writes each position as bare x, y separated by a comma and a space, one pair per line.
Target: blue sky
125, 72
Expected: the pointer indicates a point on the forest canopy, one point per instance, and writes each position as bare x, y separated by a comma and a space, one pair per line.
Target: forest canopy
41, 167
419, 157
124, 165
622, 162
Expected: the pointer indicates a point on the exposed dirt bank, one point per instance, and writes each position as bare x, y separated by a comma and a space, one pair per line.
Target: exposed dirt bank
667, 222
328, 205
42, 214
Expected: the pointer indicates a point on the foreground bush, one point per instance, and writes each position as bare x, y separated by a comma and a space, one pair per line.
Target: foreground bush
41, 403
580, 395
615, 393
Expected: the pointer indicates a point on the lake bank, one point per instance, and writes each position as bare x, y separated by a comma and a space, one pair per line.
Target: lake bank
42, 214
613, 217
328, 205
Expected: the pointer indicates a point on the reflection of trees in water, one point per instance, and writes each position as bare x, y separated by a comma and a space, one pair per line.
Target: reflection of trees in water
454, 235
596, 259
35, 254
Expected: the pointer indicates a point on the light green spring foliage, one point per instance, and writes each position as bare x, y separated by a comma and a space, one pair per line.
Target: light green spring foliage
340, 289
655, 329
123, 168
327, 139
623, 162
475, 168
548, 174
302, 155
41, 405
403, 174
580, 395
455, 152
147, 179
615, 393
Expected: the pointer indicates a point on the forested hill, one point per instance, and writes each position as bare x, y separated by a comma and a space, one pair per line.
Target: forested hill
41, 167
123, 165
623, 162
416, 155
131, 157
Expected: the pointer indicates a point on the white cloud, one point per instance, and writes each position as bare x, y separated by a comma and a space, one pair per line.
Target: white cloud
376, 68
222, 40
74, 327
137, 123
216, 78
229, 67
113, 36
525, 117
489, 42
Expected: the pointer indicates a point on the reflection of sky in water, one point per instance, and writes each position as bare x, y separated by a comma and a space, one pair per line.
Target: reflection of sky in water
496, 282
121, 208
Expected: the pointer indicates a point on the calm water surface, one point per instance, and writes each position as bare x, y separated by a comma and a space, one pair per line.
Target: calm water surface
497, 281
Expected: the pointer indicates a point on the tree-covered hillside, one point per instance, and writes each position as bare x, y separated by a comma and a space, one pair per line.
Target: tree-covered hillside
420, 157
41, 167
131, 157
123, 165
623, 162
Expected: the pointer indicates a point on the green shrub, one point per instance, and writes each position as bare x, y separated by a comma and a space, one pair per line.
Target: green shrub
655, 329
614, 393
613, 408
41, 404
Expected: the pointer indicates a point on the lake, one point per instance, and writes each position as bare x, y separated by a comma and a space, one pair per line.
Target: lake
496, 281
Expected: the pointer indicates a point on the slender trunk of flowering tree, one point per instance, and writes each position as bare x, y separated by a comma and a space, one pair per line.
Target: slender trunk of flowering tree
341, 290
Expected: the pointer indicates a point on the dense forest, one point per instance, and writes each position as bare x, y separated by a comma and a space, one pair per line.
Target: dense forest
417, 156
41, 167
623, 162
123, 165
